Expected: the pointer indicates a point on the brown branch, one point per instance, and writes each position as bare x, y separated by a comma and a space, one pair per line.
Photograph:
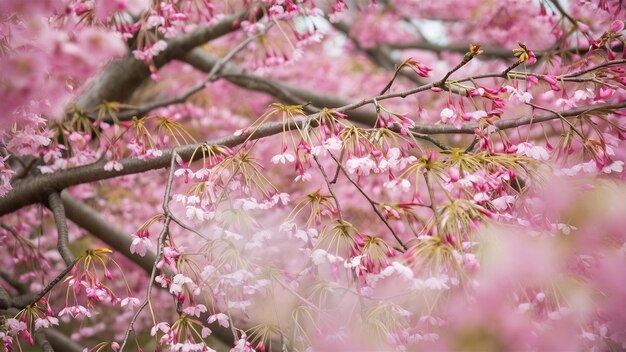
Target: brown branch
159, 254
61, 342
63, 244
330, 188
119, 79
30, 299
181, 98
370, 201
28, 191
488, 51
89, 219
51, 284
41, 340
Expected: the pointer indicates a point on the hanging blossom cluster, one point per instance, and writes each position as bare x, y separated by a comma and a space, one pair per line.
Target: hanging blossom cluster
461, 195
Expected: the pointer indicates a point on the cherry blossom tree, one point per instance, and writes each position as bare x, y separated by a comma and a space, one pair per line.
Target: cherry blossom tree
283, 175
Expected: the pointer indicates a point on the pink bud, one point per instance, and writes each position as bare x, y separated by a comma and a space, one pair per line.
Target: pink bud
107, 274
358, 239
550, 79
606, 93
610, 54
617, 26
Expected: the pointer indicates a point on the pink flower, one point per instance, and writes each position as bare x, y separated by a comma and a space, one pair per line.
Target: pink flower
46, 322
113, 165
617, 26
178, 282
163, 326
503, 203
195, 310
15, 326
450, 116
283, 158
130, 302
221, 318
361, 166
535, 152
141, 242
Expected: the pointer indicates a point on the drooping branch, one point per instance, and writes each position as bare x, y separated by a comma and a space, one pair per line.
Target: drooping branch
159, 254
63, 243
371, 202
89, 219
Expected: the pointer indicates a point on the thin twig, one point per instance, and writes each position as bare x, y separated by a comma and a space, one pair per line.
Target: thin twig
472, 145
52, 283
372, 203
433, 206
330, 189
159, 255
430, 139
334, 180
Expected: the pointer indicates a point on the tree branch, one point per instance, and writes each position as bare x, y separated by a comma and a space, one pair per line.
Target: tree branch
63, 245
42, 341
119, 79
89, 219
60, 342
159, 254
28, 191
370, 201
181, 98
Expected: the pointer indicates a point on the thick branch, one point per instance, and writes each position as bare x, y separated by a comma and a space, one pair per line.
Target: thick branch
295, 95
88, 218
63, 243
181, 98
61, 342
29, 191
42, 341
7, 301
120, 78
